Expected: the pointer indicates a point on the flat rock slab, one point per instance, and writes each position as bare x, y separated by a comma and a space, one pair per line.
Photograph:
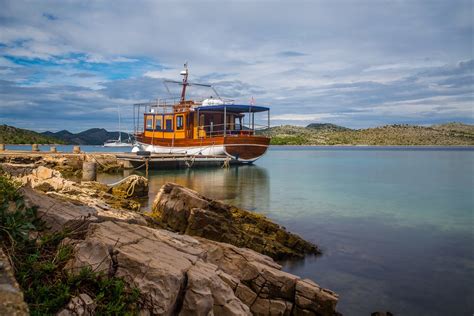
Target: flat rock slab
179, 274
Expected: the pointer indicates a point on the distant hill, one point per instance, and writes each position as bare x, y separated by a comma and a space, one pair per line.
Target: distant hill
327, 127
329, 134
450, 134
13, 135
93, 136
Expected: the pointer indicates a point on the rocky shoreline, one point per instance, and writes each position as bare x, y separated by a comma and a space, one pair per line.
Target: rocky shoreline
190, 256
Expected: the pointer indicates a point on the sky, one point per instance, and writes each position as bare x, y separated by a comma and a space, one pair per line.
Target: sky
72, 64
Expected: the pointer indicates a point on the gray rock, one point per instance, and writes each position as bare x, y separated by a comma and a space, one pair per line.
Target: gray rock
179, 274
187, 212
11, 297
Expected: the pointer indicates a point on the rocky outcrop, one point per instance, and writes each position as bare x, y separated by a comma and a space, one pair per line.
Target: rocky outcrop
94, 194
11, 297
176, 273
67, 163
61, 214
183, 275
187, 212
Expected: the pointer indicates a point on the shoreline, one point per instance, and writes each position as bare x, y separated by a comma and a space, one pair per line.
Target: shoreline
309, 145
218, 249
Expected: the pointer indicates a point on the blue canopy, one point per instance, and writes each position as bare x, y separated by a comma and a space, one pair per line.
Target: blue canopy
237, 108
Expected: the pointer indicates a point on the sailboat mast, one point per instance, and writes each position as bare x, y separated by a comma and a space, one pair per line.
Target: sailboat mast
120, 133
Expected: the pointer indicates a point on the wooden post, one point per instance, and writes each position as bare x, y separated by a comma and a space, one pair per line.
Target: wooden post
53, 149
34, 147
89, 171
2, 147
146, 167
268, 124
76, 149
225, 120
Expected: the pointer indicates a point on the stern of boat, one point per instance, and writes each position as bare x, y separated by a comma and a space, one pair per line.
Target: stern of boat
246, 149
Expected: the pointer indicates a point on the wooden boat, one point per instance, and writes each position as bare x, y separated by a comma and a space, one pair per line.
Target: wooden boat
212, 126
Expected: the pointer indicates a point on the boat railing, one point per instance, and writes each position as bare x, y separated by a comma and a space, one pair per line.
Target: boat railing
160, 106
218, 130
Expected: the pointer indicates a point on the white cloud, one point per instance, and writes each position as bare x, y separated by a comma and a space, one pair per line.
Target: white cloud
324, 58
305, 117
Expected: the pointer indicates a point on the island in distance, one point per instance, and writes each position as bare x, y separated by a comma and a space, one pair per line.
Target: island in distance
449, 134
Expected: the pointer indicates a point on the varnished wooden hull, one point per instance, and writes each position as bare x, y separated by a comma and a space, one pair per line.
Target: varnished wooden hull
241, 148
247, 149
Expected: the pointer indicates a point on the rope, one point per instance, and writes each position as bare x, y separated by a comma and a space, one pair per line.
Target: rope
140, 166
103, 166
131, 188
118, 182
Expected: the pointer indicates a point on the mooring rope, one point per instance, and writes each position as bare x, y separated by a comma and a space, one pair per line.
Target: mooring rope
131, 188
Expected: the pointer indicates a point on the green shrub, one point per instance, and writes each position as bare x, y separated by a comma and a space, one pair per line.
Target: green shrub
39, 263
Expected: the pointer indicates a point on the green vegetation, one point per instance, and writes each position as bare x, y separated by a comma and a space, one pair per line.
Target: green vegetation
13, 135
450, 134
38, 258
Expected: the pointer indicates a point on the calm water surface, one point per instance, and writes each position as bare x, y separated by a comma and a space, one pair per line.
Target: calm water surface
395, 224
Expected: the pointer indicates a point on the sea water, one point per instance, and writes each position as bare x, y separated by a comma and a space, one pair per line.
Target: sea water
395, 224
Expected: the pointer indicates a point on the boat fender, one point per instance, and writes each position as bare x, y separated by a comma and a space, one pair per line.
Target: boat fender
143, 153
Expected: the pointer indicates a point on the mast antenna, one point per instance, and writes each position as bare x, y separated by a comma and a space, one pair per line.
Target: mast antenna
184, 73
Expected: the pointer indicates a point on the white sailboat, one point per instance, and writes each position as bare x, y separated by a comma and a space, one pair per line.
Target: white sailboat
118, 142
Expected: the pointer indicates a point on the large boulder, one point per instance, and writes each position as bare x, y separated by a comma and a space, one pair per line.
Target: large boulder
186, 211
179, 274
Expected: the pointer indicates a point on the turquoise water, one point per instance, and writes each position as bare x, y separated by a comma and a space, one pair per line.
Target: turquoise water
395, 224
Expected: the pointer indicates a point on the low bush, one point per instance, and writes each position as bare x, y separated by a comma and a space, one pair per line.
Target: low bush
38, 258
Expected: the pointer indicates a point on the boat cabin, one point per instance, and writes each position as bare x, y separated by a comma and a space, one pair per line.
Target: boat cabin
200, 121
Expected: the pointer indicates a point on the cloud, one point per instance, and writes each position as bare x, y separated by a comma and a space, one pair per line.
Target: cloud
290, 54
305, 117
355, 63
49, 16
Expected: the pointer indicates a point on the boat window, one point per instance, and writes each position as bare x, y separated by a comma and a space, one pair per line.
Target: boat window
169, 124
149, 123
158, 123
179, 122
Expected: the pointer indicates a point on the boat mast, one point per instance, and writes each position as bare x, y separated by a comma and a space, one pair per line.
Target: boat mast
185, 82
120, 134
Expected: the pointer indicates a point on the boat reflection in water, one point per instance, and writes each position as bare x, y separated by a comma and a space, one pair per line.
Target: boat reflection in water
245, 186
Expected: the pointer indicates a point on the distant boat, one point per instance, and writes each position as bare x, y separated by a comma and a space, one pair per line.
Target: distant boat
118, 142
